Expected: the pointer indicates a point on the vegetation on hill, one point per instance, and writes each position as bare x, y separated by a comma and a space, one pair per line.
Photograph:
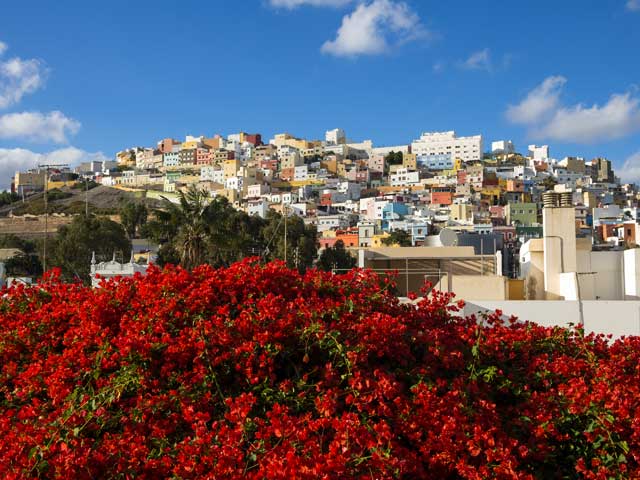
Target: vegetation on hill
72, 200
257, 371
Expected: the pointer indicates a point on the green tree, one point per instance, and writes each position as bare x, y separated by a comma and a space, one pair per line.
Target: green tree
192, 236
398, 237
72, 248
133, 216
8, 197
394, 158
336, 257
26, 264
199, 230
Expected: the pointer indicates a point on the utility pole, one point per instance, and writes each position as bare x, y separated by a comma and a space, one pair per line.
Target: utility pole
86, 198
285, 232
46, 220
46, 209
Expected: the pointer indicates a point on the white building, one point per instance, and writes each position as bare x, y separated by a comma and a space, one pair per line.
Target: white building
258, 207
331, 222
284, 197
258, 190
234, 183
404, 177
539, 153
447, 143
503, 146
212, 174
300, 173
113, 269
335, 137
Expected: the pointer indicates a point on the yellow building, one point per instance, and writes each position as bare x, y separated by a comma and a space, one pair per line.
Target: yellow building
461, 212
231, 167
231, 195
214, 142
67, 183
409, 161
291, 160
376, 241
313, 151
190, 145
29, 180
283, 139
330, 164
491, 193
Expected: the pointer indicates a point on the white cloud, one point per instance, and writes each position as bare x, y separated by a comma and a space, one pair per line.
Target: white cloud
36, 126
20, 159
372, 28
542, 112
18, 78
630, 171
480, 60
539, 103
617, 118
291, 4
3, 47
633, 5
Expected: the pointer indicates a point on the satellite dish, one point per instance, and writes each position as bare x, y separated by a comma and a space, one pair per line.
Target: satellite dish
448, 237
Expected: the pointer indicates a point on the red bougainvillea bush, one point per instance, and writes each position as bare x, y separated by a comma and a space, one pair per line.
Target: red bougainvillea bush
256, 371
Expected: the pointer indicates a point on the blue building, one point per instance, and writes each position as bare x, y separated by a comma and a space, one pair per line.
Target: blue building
435, 162
393, 211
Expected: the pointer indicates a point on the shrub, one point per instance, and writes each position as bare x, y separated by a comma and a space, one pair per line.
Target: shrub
258, 371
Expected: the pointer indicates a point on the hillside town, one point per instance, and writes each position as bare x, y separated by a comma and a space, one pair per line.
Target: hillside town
489, 222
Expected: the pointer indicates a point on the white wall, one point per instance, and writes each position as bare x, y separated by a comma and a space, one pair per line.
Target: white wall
632, 274
559, 247
617, 318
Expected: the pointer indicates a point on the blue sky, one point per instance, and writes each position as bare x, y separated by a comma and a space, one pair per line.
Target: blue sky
86, 79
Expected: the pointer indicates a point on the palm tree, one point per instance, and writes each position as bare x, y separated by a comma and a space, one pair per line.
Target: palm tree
184, 226
192, 238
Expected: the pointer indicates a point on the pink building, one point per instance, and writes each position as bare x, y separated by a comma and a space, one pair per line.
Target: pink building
203, 156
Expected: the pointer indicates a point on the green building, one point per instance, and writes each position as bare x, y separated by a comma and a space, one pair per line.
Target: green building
521, 214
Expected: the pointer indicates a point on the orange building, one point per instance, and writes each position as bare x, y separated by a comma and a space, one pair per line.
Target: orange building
441, 197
